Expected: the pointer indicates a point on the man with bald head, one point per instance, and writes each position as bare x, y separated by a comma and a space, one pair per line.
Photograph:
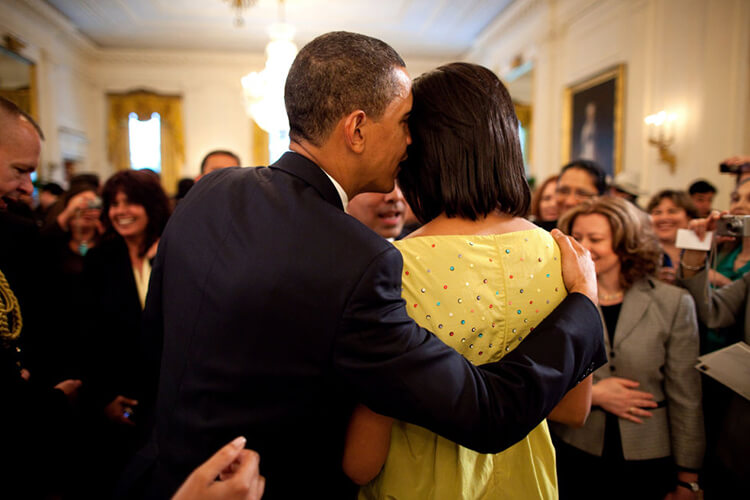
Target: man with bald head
20, 145
35, 420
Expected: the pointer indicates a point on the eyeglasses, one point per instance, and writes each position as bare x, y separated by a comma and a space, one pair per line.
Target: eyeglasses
579, 194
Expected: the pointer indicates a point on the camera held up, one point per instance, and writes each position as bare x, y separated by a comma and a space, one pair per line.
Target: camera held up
737, 226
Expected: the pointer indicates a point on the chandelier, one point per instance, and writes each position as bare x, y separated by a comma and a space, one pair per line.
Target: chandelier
264, 91
238, 6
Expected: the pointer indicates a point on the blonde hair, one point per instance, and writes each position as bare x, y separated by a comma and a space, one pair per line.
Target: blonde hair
633, 239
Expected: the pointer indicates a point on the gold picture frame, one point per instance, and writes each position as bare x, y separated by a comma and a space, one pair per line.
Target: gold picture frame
593, 120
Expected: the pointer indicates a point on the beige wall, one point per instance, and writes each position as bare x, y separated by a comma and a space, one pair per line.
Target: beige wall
687, 56
74, 76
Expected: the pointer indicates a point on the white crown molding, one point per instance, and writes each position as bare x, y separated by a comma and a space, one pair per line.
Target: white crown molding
180, 57
515, 13
63, 26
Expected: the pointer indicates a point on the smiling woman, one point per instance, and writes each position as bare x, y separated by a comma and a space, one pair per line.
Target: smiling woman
115, 281
646, 415
670, 210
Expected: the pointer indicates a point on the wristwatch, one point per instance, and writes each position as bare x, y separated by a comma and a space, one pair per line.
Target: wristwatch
692, 486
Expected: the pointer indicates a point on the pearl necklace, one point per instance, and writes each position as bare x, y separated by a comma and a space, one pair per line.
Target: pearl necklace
613, 296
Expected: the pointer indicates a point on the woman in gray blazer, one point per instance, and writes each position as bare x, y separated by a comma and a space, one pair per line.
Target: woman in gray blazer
644, 438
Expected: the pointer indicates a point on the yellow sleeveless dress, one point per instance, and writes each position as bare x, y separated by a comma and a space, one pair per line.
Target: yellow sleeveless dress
480, 295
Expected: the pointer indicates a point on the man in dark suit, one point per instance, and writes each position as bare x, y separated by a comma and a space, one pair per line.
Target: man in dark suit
36, 419
278, 311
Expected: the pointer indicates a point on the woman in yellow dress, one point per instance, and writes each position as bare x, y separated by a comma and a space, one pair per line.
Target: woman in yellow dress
478, 275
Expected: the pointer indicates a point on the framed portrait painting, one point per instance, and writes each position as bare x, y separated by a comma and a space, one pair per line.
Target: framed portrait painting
593, 120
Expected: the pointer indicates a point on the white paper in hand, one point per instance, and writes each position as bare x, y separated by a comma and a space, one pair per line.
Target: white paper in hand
687, 239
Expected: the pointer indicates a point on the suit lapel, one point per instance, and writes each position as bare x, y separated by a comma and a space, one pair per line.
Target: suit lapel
634, 306
299, 166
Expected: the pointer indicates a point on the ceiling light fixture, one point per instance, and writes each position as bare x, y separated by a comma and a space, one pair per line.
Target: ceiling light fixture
264, 91
238, 6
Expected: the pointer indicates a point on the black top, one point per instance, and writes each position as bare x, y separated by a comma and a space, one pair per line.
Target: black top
611, 314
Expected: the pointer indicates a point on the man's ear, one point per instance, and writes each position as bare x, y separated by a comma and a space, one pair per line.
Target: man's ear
354, 133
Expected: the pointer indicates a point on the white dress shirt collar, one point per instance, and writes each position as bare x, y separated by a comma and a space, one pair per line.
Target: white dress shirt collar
340, 190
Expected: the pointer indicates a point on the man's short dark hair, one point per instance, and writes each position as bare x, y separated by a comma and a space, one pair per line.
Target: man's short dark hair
218, 152
84, 182
335, 74
11, 109
52, 188
701, 186
465, 159
185, 184
594, 170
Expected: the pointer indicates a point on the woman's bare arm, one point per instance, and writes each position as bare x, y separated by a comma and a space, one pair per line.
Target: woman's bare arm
367, 442
574, 408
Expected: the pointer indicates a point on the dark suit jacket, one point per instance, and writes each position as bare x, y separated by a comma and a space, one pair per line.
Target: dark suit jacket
34, 415
278, 311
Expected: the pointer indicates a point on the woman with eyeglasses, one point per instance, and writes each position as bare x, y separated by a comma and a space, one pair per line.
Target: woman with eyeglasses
579, 181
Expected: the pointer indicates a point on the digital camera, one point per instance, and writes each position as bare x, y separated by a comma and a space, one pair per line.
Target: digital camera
726, 168
737, 226
96, 203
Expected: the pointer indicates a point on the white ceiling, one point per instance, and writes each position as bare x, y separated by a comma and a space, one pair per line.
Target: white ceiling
415, 28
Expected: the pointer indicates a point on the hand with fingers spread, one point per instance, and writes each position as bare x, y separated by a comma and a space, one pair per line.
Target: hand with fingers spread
238, 473
619, 396
578, 269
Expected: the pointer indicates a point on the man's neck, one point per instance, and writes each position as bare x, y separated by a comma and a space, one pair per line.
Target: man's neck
328, 161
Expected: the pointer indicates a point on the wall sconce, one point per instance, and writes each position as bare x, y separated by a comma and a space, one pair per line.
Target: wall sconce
661, 135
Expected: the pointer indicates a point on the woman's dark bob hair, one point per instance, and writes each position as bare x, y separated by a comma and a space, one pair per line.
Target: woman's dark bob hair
465, 159
141, 188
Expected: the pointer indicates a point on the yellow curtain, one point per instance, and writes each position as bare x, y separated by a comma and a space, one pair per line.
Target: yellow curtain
260, 145
20, 97
144, 103
524, 114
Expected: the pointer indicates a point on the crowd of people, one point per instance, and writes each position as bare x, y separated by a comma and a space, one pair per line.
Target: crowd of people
140, 334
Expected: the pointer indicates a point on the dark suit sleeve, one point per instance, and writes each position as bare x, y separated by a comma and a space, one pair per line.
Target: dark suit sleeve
401, 370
